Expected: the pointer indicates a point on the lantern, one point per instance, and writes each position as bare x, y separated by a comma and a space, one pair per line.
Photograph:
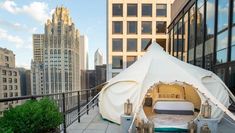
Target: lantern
205, 129
206, 110
128, 108
192, 127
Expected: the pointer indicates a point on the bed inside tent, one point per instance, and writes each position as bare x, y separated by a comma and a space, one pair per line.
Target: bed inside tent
171, 106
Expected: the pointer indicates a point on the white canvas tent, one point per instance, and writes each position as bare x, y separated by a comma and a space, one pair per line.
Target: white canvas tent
158, 66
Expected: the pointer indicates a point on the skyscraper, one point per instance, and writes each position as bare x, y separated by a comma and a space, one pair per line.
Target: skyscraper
60, 62
98, 58
131, 25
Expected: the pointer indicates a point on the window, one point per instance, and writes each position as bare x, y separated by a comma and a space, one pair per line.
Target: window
132, 10
209, 42
221, 47
162, 43
4, 80
191, 35
147, 10
11, 94
117, 9
146, 27
10, 80
117, 45
16, 87
161, 10
5, 95
4, 87
117, 27
10, 87
233, 44
161, 27
132, 27
200, 32
222, 14
231, 78
131, 60
10, 73
144, 43
117, 62
6, 58
15, 73
15, 80
131, 45
16, 94
221, 73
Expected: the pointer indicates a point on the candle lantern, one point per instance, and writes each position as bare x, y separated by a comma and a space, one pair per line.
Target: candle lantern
206, 110
192, 127
128, 108
205, 129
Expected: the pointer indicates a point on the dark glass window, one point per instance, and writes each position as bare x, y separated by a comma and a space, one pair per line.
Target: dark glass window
144, 43
175, 43
132, 10
200, 32
223, 7
117, 27
117, 10
146, 9
131, 45
161, 27
209, 31
192, 31
221, 47
117, 45
146, 27
221, 73
132, 27
130, 60
161, 10
117, 62
233, 44
233, 53
231, 77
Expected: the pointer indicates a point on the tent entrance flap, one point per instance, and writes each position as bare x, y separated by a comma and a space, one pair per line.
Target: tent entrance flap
171, 105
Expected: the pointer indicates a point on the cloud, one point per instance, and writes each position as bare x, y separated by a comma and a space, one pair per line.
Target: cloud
37, 10
17, 26
24, 65
4, 35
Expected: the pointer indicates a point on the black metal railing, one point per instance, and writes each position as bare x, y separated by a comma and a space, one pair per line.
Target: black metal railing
72, 104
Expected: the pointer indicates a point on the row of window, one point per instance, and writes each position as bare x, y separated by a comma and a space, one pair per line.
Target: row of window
10, 87
146, 10
10, 73
132, 27
10, 80
11, 94
117, 61
131, 45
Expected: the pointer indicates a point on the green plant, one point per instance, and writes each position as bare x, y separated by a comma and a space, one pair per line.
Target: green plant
32, 117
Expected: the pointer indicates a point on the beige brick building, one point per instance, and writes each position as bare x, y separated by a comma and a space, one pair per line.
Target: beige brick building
131, 25
9, 79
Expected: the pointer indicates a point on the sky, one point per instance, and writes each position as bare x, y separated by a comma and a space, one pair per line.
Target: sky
20, 19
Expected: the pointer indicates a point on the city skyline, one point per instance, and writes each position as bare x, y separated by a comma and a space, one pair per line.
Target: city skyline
20, 22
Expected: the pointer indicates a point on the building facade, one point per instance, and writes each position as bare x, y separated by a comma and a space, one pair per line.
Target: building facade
131, 25
83, 59
202, 33
9, 79
58, 68
98, 58
25, 81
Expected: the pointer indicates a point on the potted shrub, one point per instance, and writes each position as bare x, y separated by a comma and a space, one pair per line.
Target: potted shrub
32, 117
